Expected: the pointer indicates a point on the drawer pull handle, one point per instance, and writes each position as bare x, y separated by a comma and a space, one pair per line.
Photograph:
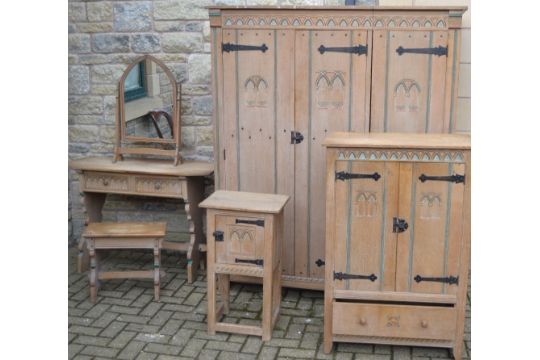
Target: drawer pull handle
342, 175
343, 276
157, 186
363, 321
450, 280
359, 50
258, 262
251, 222
439, 51
424, 324
105, 182
456, 178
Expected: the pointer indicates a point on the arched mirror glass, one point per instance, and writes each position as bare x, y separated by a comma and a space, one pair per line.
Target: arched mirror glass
148, 109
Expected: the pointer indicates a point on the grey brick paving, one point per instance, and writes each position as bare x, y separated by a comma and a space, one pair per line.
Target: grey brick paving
126, 322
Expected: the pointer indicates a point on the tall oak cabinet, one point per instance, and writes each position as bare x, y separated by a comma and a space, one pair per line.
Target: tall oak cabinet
284, 78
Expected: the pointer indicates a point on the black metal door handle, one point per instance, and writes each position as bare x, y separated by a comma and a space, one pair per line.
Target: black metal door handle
320, 262
218, 235
456, 178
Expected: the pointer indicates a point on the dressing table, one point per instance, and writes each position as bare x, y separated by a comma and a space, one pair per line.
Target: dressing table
147, 123
99, 176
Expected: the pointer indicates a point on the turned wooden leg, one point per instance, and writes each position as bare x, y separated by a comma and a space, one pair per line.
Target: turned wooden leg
93, 272
195, 188
157, 265
92, 203
224, 283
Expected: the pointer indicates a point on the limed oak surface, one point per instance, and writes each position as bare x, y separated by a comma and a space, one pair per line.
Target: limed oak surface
245, 201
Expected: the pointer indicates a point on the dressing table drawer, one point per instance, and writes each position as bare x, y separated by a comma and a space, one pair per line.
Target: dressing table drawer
104, 182
160, 186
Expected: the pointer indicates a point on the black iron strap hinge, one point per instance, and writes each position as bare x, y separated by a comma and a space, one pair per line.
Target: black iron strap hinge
296, 137
319, 262
218, 235
342, 175
399, 225
359, 50
258, 262
251, 222
451, 280
439, 51
452, 178
344, 276
228, 47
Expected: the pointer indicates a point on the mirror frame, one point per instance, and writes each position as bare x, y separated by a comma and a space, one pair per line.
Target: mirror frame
123, 140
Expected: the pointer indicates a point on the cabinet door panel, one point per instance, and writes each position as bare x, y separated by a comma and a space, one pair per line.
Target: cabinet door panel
431, 246
258, 115
325, 102
364, 242
240, 241
408, 93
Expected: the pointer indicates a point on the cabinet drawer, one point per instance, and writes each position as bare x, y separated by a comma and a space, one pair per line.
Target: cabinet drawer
394, 321
242, 239
160, 186
104, 182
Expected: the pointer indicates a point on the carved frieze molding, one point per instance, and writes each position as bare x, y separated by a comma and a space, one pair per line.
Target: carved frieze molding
444, 156
420, 22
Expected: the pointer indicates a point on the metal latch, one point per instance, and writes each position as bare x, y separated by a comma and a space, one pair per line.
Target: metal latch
400, 225
218, 235
319, 262
296, 137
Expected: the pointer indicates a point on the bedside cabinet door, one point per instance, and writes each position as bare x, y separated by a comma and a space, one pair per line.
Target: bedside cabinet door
364, 242
242, 241
431, 201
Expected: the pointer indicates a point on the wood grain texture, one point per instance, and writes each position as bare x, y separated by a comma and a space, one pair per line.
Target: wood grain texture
398, 140
143, 166
245, 201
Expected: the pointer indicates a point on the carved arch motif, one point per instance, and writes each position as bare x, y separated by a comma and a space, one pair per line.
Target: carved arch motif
330, 89
256, 88
365, 204
430, 206
407, 96
242, 241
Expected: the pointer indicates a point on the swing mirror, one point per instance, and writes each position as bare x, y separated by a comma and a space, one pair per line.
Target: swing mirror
148, 110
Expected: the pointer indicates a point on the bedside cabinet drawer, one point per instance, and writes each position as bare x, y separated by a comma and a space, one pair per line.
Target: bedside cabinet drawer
394, 321
160, 186
104, 182
239, 239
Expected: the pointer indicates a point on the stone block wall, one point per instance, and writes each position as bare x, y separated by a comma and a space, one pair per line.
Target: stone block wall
105, 36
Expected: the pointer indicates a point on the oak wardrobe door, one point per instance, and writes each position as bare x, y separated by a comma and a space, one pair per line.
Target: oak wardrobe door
364, 242
258, 116
409, 76
331, 78
429, 250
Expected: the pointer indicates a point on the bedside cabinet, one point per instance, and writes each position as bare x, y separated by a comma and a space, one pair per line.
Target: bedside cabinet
397, 239
245, 235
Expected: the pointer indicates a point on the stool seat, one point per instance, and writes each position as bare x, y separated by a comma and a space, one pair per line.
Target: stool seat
128, 235
125, 230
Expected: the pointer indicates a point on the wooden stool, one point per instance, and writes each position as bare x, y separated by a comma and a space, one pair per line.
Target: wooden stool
245, 233
102, 236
